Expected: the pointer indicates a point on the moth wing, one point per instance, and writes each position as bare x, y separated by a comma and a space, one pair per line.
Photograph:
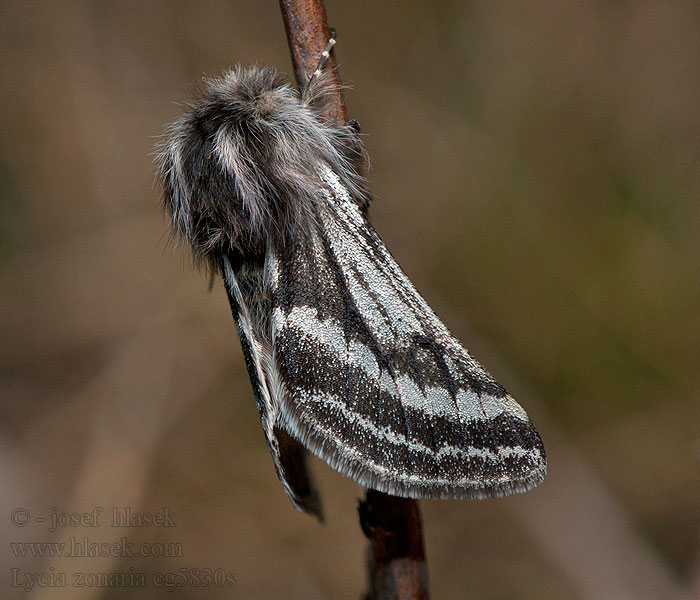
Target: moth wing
288, 455
373, 383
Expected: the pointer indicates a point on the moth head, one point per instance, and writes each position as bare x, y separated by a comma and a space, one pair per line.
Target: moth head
240, 168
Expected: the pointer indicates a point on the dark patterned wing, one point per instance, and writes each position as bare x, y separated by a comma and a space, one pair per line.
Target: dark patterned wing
288, 454
370, 380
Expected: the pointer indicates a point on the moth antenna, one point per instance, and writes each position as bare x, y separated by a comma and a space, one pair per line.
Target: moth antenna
325, 55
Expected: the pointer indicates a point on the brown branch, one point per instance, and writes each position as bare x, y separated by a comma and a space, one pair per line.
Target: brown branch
307, 34
396, 560
396, 564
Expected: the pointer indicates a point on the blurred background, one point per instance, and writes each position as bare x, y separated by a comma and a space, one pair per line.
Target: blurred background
535, 171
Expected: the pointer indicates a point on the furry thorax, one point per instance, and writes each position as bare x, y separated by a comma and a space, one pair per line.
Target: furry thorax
240, 167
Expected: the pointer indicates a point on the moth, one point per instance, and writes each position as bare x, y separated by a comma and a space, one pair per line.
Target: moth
346, 359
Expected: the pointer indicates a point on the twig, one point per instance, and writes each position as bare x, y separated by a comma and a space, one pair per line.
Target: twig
307, 34
396, 564
396, 560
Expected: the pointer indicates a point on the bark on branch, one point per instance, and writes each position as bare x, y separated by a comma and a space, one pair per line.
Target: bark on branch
308, 33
